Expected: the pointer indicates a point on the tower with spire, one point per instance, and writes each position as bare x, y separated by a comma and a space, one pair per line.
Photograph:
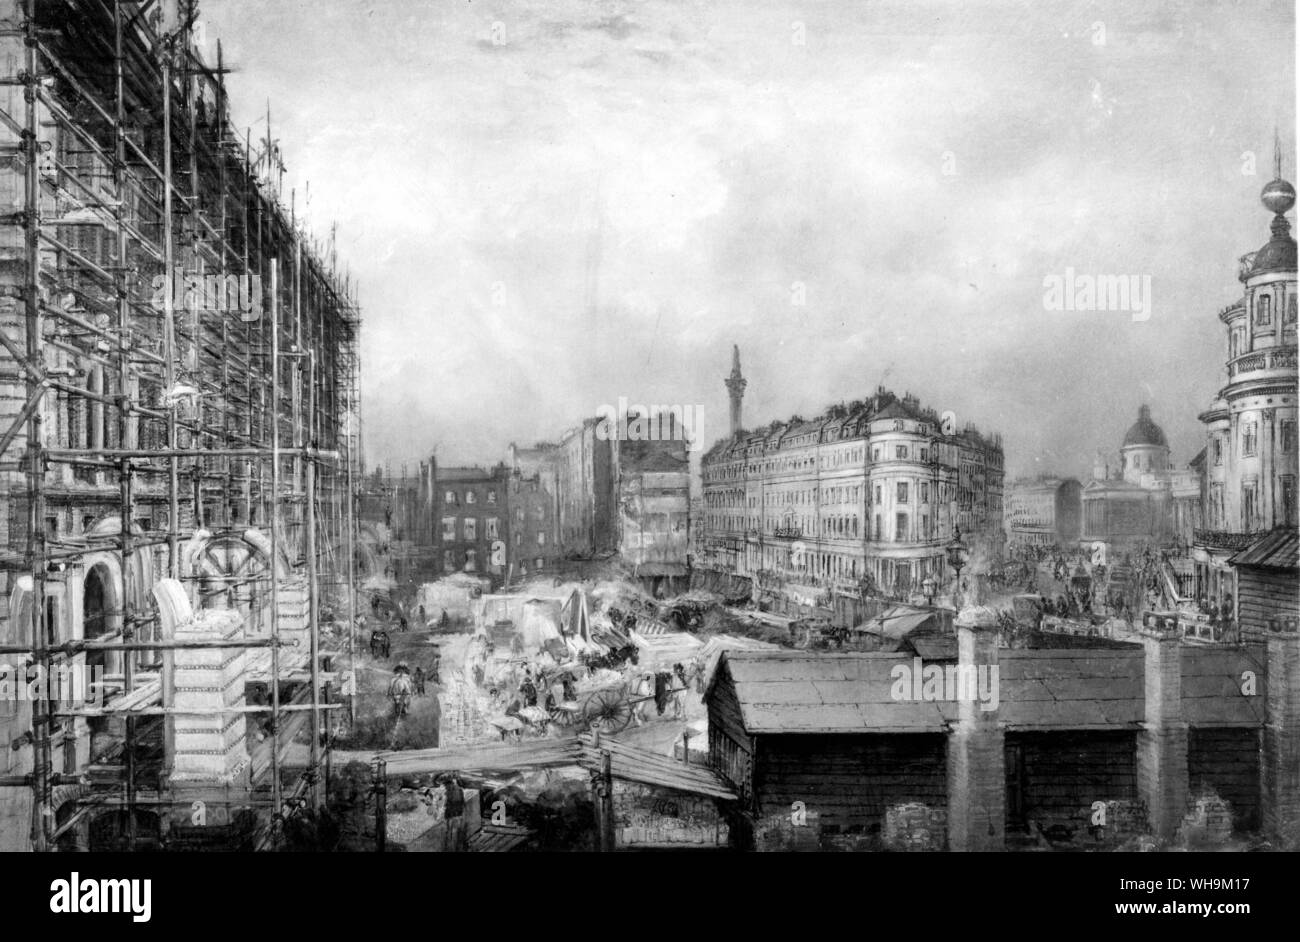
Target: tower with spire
735, 390
1251, 463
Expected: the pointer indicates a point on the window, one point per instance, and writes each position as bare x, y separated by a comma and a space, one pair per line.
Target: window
1288, 436
925, 492
902, 492
538, 563
875, 454
493, 528
471, 560
900, 452
519, 539
925, 526
1288, 499
1249, 437
449, 498
880, 528
541, 538
925, 454
471, 528
1290, 312
1264, 310
449, 528
900, 528
492, 497
519, 514
448, 560
1249, 505
878, 497
1218, 450
471, 497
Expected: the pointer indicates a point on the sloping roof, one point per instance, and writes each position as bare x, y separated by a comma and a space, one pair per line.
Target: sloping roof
635, 764
898, 410
795, 692
934, 647
896, 622
499, 838
1278, 549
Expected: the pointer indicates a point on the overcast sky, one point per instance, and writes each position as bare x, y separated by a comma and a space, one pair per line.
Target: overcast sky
551, 205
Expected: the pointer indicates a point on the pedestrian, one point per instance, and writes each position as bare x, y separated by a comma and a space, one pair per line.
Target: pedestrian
419, 681
528, 690
678, 691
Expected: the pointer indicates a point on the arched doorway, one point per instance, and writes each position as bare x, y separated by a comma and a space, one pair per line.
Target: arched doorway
234, 573
94, 616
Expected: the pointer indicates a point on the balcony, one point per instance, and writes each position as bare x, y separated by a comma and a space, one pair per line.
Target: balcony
787, 533
1224, 539
1263, 360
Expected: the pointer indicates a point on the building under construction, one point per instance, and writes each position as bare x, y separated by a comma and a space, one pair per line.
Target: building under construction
178, 433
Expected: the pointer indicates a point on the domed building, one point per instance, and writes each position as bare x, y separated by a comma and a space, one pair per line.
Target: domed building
1145, 501
1145, 450
1251, 455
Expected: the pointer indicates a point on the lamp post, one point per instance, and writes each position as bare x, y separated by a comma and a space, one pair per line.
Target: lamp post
958, 553
928, 586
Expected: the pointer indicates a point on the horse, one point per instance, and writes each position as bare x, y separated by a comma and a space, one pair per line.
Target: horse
399, 691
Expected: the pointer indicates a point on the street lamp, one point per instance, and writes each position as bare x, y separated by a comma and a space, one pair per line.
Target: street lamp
958, 554
928, 585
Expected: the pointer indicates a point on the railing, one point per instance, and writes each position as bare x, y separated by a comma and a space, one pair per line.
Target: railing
787, 533
1247, 364
1284, 359
1235, 305
1224, 539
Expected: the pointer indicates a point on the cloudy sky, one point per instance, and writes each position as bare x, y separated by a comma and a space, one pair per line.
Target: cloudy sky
551, 204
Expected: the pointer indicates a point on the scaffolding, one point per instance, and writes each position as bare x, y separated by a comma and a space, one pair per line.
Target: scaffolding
177, 352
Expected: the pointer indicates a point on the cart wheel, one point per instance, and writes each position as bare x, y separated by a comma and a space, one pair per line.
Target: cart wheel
607, 711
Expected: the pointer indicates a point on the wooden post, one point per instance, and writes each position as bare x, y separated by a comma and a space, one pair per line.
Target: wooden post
606, 816
379, 773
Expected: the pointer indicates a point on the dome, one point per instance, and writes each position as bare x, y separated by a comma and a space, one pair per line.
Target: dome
1144, 431
1280, 253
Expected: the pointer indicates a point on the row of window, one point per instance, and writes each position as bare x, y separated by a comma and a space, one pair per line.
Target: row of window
844, 526
453, 498
468, 561
1250, 440
469, 525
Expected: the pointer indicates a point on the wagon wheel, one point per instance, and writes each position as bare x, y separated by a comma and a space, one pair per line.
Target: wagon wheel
607, 711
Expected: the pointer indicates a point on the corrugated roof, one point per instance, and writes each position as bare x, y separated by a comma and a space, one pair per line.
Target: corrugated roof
827, 693
1279, 549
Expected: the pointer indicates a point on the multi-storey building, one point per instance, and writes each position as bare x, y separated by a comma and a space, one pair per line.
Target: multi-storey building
169, 334
534, 547
865, 496
614, 488
652, 490
471, 520
1044, 511
1251, 457
1144, 501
